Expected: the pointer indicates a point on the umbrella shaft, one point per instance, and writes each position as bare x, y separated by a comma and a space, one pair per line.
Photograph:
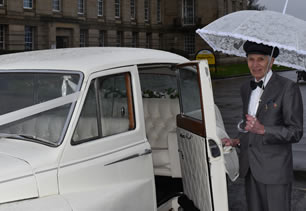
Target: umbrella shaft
285, 7
264, 79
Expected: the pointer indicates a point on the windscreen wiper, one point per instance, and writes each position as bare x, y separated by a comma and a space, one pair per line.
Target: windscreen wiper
33, 138
24, 137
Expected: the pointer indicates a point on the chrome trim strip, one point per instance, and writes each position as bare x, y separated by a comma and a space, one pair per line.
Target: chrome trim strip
146, 152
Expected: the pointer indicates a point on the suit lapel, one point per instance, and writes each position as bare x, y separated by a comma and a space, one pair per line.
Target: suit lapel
266, 93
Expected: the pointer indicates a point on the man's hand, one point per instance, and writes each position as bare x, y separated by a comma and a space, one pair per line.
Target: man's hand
230, 142
253, 125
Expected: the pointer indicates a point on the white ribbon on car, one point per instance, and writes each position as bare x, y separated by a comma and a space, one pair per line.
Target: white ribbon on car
38, 108
67, 81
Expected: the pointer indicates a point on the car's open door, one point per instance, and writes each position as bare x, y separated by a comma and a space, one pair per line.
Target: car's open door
201, 155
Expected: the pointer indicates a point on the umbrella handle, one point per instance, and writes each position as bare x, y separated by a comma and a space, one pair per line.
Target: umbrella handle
285, 7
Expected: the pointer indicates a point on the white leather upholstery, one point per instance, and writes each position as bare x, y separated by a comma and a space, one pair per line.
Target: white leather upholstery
48, 127
160, 120
87, 127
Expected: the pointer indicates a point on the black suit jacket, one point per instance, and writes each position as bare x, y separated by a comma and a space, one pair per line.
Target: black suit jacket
280, 110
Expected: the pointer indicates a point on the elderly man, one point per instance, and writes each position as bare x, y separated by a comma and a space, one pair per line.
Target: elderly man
273, 114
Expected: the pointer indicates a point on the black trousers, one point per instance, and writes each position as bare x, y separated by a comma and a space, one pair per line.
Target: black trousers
267, 197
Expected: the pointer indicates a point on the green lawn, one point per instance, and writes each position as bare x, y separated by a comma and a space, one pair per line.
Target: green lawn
224, 71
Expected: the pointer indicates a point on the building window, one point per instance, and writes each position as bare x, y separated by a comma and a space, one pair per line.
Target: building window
188, 12
28, 4
146, 10
2, 37
234, 7
83, 38
119, 39
225, 6
158, 10
81, 6
102, 38
56, 5
117, 8
1, 2
189, 43
100, 7
149, 40
133, 9
160, 41
134, 39
28, 38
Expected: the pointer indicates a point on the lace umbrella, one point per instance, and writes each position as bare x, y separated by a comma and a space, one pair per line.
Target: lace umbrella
228, 34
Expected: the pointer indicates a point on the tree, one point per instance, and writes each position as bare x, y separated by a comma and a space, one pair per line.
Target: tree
254, 5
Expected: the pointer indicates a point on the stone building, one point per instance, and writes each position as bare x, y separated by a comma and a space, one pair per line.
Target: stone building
158, 24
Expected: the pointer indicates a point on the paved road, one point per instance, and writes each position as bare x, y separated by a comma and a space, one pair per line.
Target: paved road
226, 92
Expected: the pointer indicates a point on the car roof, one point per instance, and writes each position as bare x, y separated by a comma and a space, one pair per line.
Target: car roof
86, 60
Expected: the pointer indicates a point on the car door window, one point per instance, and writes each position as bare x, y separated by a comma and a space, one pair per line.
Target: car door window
190, 93
87, 128
114, 104
108, 108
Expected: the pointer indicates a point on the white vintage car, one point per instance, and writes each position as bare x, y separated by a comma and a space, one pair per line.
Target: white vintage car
108, 129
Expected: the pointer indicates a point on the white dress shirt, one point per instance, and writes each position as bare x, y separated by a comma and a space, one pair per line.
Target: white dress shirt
256, 94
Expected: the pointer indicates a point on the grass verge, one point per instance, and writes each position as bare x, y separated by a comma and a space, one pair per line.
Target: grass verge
233, 70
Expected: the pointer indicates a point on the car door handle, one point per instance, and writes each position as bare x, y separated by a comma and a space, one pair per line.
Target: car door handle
146, 152
187, 136
214, 149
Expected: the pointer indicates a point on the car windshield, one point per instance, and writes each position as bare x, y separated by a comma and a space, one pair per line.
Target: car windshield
34, 105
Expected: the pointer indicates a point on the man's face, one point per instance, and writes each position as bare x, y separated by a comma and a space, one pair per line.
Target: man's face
258, 65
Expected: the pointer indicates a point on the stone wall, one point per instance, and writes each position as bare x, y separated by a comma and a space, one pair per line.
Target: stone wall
51, 27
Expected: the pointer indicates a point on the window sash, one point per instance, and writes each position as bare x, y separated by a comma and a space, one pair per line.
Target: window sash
28, 4
133, 9
117, 8
134, 39
101, 38
225, 6
100, 7
158, 10
189, 43
146, 10
149, 40
2, 37
160, 41
234, 6
28, 38
119, 38
81, 6
188, 12
82, 38
56, 5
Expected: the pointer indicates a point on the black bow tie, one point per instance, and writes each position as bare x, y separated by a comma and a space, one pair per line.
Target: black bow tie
254, 84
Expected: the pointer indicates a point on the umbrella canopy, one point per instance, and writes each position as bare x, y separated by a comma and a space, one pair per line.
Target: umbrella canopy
228, 34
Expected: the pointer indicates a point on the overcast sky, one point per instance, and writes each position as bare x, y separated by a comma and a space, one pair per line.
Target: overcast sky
296, 8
